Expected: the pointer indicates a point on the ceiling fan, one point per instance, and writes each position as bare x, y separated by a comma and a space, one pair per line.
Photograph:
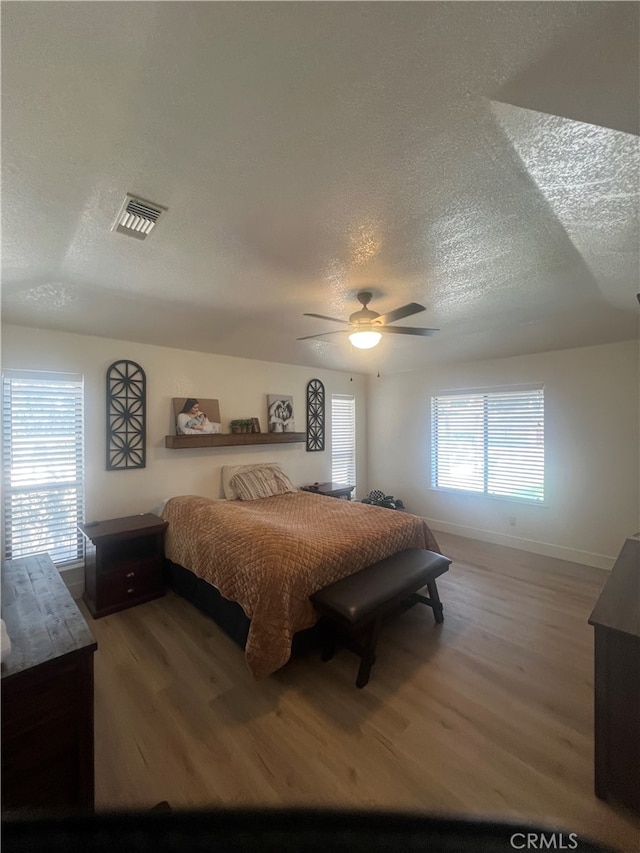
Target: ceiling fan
368, 327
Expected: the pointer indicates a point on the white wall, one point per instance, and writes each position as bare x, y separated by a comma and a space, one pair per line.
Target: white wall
592, 436
241, 386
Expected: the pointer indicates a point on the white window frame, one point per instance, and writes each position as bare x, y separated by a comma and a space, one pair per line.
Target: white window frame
343, 439
42, 462
489, 442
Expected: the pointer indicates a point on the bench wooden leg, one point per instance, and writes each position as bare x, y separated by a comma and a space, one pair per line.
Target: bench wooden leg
433, 601
368, 655
436, 604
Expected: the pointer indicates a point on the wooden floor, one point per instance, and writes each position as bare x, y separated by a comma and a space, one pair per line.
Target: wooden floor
489, 714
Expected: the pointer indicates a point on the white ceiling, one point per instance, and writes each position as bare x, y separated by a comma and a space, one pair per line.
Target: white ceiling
477, 158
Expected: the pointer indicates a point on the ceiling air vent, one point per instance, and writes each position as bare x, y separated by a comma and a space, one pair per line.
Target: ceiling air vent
138, 217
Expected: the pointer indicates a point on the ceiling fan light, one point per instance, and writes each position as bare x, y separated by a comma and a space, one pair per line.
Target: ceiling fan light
365, 340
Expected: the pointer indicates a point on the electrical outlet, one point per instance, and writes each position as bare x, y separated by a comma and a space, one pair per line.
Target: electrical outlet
512, 521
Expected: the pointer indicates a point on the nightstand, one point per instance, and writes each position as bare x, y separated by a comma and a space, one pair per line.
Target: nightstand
332, 490
123, 562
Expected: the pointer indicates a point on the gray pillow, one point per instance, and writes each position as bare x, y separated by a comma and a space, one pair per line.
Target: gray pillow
262, 482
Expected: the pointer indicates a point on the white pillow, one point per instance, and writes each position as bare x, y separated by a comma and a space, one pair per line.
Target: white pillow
228, 471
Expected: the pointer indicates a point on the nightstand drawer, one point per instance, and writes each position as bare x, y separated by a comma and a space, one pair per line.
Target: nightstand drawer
115, 554
130, 583
128, 570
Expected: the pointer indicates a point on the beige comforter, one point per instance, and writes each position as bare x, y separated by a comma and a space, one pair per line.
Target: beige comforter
270, 555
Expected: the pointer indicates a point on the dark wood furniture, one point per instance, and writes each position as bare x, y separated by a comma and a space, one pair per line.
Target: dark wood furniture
123, 562
332, 490
47, 692
616, 620
179, 442
360, 603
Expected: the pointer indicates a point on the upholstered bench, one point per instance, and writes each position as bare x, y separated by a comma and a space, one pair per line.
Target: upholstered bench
360, 603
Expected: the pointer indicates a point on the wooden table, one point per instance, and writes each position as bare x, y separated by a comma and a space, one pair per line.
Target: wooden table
47, 692
332, 490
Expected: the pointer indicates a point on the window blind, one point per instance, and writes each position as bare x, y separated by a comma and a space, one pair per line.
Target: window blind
490, 442
343, 439
42, 465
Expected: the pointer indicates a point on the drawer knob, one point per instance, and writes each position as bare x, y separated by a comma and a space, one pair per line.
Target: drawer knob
129, 591
130, 574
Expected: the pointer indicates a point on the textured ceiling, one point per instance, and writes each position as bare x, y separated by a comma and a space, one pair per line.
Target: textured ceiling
478, 158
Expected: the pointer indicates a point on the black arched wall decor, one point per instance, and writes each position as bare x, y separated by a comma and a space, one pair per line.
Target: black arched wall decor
126, 416
315, 415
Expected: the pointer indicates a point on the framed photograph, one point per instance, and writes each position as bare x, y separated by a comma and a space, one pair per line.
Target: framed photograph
196, 416
280, 409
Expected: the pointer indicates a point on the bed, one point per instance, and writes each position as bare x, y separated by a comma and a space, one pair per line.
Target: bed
268, 555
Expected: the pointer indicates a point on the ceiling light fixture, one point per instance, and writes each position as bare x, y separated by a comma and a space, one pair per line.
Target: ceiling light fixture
366, 325
366, 339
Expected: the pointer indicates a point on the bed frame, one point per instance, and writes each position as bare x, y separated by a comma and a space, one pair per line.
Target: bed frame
227, 614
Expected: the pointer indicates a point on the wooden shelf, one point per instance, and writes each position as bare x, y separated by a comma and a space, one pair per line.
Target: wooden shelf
179, 442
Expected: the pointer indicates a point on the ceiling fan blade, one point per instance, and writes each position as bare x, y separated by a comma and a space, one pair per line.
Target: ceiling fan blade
408, 330
401, 313
323, 334
322, 317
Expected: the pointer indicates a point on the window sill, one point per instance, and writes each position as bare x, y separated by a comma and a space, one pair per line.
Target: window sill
482, 495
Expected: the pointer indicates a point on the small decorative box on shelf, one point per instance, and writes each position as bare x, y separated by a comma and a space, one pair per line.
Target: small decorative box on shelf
331, 490
123, 562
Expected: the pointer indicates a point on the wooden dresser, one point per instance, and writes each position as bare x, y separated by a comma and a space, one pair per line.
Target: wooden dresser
616, 619
47, 692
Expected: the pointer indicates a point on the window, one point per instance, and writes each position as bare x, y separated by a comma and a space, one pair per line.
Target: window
343, 439
42, 464
490, 442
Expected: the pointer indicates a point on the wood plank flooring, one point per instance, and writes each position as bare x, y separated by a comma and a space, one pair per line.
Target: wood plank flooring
489, 714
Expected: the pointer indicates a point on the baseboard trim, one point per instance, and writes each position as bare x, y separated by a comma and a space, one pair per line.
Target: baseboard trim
74, 579
586, 558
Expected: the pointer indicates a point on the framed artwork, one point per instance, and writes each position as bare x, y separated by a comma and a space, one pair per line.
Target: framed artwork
126, 416
315, 415
196, 416
280, 409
